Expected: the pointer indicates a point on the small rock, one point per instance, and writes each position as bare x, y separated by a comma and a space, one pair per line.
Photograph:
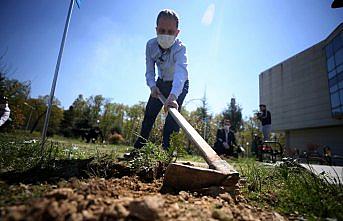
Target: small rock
240, 198
246, 214
175, 207
146, 209
227, 197
184, 195
197, 203
88, 215
278, 217
61, 193
121, 210
16, 213
222, 215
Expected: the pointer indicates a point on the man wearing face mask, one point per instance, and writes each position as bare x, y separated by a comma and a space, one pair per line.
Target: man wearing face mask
225, 140
168, 54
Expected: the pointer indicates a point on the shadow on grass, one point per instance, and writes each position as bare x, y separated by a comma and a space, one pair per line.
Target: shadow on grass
55, 170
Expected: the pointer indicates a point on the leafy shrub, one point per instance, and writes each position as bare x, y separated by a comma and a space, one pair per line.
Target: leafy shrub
115, 138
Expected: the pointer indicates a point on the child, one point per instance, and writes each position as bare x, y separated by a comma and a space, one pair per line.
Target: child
169, 55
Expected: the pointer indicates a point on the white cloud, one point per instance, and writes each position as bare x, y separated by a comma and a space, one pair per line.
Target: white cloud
207, 18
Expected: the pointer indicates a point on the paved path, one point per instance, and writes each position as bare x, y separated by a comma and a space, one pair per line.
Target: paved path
334, 172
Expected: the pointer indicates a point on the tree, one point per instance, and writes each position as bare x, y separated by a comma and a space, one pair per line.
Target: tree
40, 106
68, 122
81, 113
133, 120
233, 112
112, 118
95, 105
16, 92
246, 135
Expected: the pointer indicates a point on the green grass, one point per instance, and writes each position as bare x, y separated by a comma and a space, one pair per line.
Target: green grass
291, 189
22, 151
288, 189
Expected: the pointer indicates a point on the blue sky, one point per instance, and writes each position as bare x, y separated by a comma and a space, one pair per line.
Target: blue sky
228, 42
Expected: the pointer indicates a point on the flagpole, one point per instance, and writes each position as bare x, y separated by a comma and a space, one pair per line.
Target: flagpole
53, 86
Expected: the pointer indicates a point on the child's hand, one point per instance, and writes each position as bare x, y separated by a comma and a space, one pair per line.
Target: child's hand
170, 102
155, 92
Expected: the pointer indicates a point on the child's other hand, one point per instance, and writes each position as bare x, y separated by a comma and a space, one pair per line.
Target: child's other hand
170, 102
155, 92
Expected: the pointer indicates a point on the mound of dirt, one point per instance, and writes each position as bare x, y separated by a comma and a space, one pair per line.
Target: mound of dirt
128, 198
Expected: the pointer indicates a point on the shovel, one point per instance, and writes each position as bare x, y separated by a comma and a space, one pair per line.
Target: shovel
184, 177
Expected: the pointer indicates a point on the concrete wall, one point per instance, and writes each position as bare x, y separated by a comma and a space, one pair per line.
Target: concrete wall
330, 136
296, 91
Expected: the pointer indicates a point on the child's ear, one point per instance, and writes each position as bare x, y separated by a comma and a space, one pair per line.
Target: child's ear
177, 32
156, 31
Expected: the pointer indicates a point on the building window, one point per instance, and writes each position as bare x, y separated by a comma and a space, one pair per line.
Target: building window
334, 62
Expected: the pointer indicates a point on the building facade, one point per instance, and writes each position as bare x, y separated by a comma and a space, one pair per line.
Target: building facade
305, 95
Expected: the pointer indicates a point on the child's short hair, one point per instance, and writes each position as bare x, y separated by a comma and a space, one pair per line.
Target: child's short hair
168, 13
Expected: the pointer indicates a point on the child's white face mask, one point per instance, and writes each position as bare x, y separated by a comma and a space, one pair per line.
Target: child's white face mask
166, 41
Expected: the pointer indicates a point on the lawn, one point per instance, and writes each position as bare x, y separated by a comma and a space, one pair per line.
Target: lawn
286, 188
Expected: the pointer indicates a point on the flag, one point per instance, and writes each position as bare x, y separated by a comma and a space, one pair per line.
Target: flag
78, 2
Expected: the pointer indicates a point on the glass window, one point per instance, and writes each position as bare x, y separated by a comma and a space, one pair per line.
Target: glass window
340, 85
339, 57
337, 43
335, 101
331, 63
340, 76
339, 68
334, 88
329, 50
333, 81
332, 74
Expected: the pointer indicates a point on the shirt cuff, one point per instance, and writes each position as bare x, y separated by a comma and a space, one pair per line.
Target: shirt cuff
176, 92
151, 83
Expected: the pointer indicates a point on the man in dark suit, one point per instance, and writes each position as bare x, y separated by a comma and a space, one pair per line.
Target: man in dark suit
225, 140
265, 117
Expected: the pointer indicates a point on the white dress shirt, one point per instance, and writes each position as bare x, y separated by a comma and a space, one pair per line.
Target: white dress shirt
171, 64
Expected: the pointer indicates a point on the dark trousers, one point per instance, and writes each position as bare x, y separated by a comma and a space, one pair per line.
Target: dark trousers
153, 107
220, 149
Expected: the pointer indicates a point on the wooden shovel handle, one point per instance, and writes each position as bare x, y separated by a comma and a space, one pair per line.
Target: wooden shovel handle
210, 156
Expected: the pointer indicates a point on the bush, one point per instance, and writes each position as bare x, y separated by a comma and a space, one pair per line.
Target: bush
115, 138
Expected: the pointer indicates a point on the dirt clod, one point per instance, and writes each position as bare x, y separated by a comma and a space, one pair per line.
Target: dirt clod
222, 215
147, 208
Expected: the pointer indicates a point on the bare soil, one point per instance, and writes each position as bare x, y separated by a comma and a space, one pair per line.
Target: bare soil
126, 196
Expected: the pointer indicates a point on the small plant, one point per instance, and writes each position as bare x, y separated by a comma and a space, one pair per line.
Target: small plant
148, 157
177, 147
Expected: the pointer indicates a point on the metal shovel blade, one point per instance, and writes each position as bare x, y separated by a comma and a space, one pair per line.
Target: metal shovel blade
185, 177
